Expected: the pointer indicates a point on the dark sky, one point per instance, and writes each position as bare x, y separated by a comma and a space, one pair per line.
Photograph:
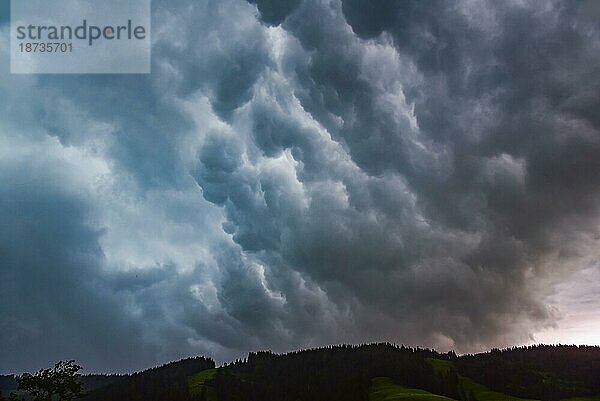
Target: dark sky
307, 172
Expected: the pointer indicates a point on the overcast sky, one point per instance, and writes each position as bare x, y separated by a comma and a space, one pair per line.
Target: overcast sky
306, 172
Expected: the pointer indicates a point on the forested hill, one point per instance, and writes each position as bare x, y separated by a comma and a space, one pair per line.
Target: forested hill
541, 371
375, 372
347, 372
325, 374
164, 383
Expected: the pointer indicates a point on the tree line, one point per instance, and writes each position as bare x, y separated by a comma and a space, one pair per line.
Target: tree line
543, 372
343, 372
332, 373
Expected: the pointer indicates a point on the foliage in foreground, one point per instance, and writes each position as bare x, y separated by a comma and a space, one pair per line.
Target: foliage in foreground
60, 383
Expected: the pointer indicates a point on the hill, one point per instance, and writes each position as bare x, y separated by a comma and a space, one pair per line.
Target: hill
540, 372
374, 372
470, 390
164, 383
384, 389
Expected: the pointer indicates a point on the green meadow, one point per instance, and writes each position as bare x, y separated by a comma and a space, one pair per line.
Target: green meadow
481, 392
384, 389
197, 384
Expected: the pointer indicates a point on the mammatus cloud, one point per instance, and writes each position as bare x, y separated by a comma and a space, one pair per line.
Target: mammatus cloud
301, 173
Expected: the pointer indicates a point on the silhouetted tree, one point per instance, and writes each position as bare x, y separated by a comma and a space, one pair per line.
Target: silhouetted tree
60, 383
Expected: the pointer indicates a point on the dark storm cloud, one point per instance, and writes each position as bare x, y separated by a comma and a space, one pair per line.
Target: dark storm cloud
54, 298
501, 155
300, 173
274, 12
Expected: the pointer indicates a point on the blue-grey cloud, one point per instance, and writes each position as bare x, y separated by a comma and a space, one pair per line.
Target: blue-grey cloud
301, 173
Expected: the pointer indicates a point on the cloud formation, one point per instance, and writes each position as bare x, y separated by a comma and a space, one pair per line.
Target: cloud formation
301, 173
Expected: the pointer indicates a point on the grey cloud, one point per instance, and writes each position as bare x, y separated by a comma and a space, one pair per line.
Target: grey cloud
274, 12
54, 300
301, 173
482, 93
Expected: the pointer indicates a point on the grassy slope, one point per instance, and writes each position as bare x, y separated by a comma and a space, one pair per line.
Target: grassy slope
481, 392
384, 389
485, 394
441, 366
196, 383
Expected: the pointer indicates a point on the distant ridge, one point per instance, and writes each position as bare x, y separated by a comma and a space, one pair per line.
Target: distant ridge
347, 373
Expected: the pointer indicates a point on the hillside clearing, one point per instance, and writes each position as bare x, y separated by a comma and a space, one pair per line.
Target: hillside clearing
384, 389
196, 384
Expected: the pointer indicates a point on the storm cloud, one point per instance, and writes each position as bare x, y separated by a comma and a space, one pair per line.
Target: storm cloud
300, 173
